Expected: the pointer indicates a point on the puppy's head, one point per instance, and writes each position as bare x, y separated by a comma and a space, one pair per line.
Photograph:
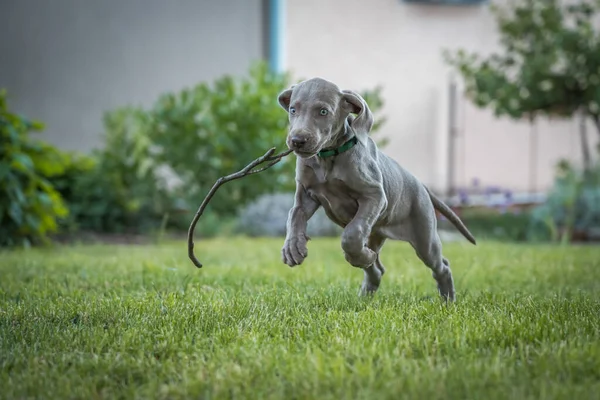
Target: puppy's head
317, 111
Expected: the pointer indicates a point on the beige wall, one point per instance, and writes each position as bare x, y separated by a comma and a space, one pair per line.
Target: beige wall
359, 44
67, 61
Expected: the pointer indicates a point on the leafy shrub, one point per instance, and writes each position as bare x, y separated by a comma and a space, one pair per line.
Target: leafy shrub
495, 225
206, 132
117, 188
572, 205
212, 130
212, 225
267, 216
29, 205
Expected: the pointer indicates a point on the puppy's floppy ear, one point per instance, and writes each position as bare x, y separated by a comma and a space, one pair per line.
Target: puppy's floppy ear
285, 97
363, 122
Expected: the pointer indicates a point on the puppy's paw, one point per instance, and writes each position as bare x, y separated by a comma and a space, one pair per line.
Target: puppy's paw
294, 251
445, 284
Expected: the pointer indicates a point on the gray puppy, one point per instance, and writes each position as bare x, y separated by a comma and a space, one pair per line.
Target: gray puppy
369, 195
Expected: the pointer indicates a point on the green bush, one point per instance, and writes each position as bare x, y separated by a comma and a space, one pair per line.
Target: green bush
212, 130
117, 189
572, 205
571, 211
494, 225
29, 205
208, 131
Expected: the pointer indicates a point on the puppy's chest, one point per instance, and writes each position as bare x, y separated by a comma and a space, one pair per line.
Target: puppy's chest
337, 200
330, 189
328, 171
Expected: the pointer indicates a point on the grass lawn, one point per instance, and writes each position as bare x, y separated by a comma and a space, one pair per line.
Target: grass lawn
142, 322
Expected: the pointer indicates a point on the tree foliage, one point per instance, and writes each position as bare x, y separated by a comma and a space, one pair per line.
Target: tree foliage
550, 63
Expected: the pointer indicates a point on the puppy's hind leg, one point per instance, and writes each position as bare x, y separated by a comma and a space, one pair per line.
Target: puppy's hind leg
373, 274
428, 246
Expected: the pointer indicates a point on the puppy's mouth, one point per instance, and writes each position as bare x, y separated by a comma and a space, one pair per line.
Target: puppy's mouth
305, 154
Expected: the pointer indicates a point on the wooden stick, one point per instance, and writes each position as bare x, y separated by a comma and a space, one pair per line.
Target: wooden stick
268, 157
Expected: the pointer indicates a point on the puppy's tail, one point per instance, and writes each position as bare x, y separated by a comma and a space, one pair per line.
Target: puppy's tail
452, 217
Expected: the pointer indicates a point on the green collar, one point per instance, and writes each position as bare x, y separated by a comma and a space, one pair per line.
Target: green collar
334, 152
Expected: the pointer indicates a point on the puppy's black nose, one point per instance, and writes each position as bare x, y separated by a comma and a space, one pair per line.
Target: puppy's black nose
298, 142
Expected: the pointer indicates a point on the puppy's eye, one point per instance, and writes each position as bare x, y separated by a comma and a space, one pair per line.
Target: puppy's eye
292, 110
324, 111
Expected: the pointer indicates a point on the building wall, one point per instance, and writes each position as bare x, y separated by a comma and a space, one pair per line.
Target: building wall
360, 44
66, 62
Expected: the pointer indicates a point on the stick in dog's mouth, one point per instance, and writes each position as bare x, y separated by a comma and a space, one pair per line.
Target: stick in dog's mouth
268, 158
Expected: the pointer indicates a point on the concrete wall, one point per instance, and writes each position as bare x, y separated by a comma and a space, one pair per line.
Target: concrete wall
65, 62
360, 44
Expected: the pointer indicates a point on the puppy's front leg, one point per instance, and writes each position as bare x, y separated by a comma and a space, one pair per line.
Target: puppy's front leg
356, 234
294, 249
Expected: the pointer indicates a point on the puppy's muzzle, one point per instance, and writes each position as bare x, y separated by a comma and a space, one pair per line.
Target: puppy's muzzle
298, 142
301, 143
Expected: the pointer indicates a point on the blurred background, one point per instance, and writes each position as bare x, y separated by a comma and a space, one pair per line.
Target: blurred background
119, 115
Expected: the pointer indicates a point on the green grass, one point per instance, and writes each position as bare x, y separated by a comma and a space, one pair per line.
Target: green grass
142, 322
